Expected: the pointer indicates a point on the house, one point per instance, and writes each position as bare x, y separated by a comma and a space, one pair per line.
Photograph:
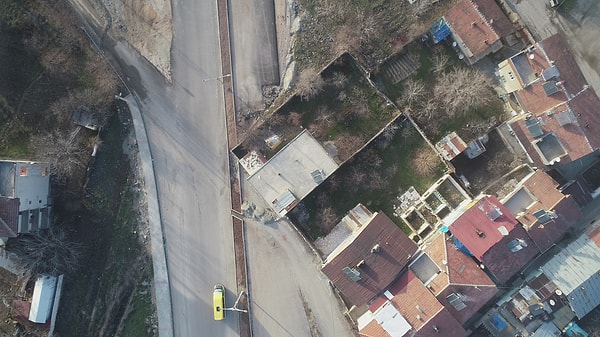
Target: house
25, 202
451, 146
369, 260
454, 279
408, 308
489, 232
533, 309
545, 212
478, 27
576, 272
560, 115
291, 174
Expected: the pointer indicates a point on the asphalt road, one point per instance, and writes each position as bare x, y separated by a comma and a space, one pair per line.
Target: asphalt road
185, 123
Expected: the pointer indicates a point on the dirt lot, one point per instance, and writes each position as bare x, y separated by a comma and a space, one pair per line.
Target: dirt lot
145, 24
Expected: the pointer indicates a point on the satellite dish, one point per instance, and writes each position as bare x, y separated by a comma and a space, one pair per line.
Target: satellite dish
552, 302
461, 56
558, 292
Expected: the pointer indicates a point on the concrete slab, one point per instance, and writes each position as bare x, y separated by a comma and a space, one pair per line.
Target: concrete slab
291, 168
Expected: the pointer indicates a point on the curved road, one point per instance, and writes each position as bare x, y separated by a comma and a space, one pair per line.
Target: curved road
185, 125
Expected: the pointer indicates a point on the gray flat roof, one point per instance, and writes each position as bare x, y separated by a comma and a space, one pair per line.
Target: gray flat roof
575, 272
32, 185
291, 168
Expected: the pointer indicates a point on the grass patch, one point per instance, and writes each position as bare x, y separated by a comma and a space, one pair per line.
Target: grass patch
374, 177
115, 259
348, 112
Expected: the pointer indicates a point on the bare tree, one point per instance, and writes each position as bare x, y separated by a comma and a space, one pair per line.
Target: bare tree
325, 116
413, 91
309, 83
425, 161
327, 218
389, 133
440, 62
462, 89
347, 144
294, 118
62, 150
48, 252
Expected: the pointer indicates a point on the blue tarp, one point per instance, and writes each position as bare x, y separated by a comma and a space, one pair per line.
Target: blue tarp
461, 247
439, 30
575, 330
499, 323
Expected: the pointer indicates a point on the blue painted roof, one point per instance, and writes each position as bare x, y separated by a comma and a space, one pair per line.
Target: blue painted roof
439, 30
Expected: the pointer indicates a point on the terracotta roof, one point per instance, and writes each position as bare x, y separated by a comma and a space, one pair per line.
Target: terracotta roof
9, 217
421, 309
586, 107
546, 234
374, 329
533, 99
495, 17
547, 197
461, 275
472, 29
557, 50
442, 324
380, 268
504, 263
572, 135
476, 229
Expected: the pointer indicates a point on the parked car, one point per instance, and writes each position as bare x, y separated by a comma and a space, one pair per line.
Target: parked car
219, 302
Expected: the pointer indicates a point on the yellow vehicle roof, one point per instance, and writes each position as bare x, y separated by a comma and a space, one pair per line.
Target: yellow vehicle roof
219, 303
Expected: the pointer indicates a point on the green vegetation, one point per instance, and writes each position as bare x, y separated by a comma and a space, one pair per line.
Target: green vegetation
346, 110
116, 284
375, 177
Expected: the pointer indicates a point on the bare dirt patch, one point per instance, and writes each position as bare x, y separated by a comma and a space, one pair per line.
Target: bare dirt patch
144, 24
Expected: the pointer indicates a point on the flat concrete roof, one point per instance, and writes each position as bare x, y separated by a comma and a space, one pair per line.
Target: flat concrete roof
291, 169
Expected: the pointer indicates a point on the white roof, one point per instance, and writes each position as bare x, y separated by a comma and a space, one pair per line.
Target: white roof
43, 299
575, 271
291, 168
388, 317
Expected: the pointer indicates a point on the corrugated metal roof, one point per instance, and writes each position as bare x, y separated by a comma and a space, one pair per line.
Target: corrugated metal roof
575, 270
42, 299
547, 330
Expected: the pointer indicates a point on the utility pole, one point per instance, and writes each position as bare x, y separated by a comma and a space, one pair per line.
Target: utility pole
235, 305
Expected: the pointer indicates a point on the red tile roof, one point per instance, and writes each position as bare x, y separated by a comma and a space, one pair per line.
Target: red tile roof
9, 217
586, 107
558, 51
533, 99
379, 269
443, 324
544, 189
546, 234
502, 262
414, 301
373, 329
472, 29
571, 135
461, 275
421, 309
476, 229
495, 17
594, 235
